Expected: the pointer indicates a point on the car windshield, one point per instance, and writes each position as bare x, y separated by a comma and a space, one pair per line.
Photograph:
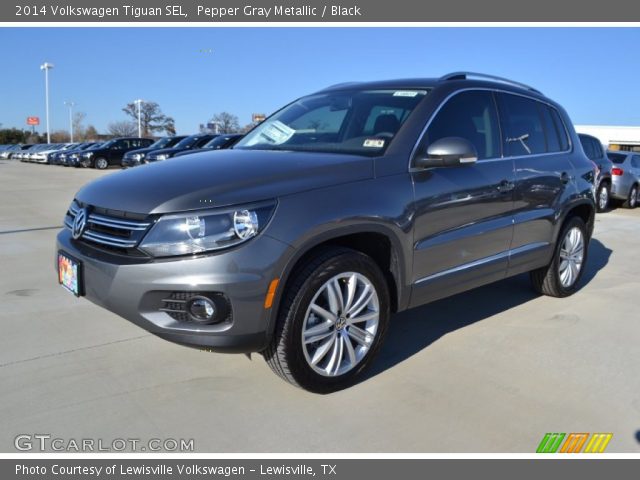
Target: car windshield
220, 141
617, 157
362, 122
106, 144
187, 142
161, 143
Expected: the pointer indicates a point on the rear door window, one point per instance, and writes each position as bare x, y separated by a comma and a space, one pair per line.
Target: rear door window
522, 126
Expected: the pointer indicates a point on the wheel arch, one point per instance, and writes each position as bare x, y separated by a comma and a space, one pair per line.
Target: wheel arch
376, 241
584, 209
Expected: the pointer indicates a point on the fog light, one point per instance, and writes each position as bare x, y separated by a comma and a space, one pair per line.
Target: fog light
201, 309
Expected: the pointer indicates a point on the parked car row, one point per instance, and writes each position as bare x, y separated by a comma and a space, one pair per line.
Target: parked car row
124, 152
618, 174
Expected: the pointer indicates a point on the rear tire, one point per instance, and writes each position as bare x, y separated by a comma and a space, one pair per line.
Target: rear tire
602, 196
340, 298
632, 199
561, 277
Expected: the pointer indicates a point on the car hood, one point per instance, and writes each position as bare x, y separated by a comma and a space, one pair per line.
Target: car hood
170, 151
221, 178
143, 150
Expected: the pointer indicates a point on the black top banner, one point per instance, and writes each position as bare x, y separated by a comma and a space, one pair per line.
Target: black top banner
270, 11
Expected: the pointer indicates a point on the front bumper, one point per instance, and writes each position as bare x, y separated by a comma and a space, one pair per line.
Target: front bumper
135, 290
130, 162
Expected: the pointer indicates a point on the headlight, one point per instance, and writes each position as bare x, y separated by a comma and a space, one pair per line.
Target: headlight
162, 156
87, 154
137, 156
203, 231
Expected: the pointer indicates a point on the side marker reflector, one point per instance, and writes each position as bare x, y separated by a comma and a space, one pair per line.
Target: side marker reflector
271, 293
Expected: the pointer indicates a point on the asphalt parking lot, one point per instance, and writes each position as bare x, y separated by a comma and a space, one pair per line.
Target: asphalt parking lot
491, 370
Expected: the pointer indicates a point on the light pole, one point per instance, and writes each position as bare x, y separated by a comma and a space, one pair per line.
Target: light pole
46, 67
138, 102
70, 105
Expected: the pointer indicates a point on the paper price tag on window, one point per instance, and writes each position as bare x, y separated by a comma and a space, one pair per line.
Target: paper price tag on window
373, 143
277, 132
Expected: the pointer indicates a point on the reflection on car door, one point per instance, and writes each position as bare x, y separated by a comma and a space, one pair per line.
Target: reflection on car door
463, 215
536, 138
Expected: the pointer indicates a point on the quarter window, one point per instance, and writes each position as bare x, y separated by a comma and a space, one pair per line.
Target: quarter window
550, 129
562, 131
597, 149
470, 115
587, 146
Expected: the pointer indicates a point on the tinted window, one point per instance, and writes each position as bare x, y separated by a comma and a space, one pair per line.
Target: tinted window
597, 148
562, 131
587, 146
551, 132
635, 161
472, 116
617, 157
523, 133
202, 142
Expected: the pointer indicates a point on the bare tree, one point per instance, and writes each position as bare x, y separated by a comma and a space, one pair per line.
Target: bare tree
151, 118
122, 128
78, 128
60, 136
227, 122
90, 133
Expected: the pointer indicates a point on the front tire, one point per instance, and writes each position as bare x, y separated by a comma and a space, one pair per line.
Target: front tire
332, 321
561, 277
101, 163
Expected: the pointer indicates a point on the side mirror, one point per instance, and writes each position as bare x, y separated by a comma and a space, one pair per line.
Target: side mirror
448, 152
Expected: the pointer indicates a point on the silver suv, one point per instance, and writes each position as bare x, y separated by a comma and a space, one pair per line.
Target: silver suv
625, 177
341, 209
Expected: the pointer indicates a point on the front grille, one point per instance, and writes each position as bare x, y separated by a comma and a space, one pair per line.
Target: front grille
109, 232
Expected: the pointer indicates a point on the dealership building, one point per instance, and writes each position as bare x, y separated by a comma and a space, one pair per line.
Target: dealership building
614, 137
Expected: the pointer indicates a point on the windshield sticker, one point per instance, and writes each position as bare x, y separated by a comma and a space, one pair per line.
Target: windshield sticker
373, 143
406, 93
277, 132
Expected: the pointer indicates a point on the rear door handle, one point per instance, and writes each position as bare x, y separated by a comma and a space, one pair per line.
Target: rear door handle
505, 186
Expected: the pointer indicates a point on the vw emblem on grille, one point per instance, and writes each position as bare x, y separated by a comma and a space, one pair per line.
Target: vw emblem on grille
79, 223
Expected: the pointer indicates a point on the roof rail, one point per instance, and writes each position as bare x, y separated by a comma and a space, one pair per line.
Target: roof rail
465, 75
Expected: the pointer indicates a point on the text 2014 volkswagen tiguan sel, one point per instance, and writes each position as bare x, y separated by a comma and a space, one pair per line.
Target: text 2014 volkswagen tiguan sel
342, 208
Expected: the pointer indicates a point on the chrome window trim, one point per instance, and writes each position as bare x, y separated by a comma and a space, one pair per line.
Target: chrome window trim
493, 159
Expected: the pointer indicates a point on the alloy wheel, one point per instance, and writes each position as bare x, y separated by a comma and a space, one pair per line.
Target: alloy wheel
340, 324
571, 257
603, 198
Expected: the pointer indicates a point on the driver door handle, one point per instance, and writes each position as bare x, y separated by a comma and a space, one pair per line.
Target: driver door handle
505, 186
565, 177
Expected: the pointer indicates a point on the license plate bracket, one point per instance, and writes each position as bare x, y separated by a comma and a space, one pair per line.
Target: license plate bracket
70, 274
